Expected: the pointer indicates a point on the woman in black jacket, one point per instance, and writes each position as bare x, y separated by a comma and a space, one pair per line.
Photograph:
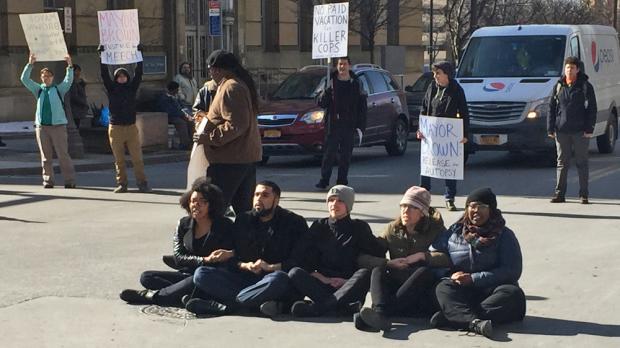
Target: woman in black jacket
445, 98
204, 237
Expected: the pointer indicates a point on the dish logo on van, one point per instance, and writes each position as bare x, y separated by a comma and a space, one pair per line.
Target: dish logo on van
494, 87
601, 56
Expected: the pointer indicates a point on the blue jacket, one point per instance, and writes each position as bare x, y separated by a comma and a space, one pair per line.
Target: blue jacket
490, 266
58, 111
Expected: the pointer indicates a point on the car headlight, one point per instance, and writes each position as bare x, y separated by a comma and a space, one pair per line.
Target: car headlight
538, 108
313, 117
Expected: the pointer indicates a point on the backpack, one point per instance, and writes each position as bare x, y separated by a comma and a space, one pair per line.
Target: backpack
584, 88
57, 92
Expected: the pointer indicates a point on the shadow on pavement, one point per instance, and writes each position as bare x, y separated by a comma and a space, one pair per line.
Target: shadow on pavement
562, 215
533, 325
6, 218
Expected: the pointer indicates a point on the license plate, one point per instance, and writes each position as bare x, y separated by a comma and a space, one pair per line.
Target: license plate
272, 133
488, 140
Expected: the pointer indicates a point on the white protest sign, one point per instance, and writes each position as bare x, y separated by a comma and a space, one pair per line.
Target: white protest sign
44, 36
198, 163
119, 33
330, 30
442, 154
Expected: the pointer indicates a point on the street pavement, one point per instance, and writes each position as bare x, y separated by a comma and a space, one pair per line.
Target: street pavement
67, 254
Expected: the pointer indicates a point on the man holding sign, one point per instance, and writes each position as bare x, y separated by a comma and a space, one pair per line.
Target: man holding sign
444, 99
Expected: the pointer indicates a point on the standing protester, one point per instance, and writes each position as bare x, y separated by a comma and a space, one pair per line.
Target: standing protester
403, 285
330, 276
264, 241
188, 84
231, 138
51, 121
123, 131
480, 287
445, 98
572, 115
77, 95
183, 122
345, 107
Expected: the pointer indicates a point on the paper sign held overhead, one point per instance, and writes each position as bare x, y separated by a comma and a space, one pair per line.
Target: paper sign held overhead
119, 32
442, 155
330, 30
44, 36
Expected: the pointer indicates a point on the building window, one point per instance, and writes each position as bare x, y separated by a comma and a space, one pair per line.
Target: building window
190, 12
393, 19
305, 8
120, 4
49, 5
270, 25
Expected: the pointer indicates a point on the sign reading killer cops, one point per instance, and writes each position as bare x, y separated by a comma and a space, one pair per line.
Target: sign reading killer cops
330, 30
441, 151
44, 36
119, 33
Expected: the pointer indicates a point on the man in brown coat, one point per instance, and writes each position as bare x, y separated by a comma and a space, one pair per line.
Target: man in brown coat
231, 138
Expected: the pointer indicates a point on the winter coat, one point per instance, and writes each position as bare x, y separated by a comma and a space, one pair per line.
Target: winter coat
122, 97
571, 109
451, 103
55, 93
188, 88
356, 117
189, 253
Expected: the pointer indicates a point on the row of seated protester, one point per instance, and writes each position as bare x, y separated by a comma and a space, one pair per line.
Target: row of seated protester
268, 261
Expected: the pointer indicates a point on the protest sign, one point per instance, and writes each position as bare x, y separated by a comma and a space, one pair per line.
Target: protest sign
441, 152
198, 163
330, 30
44, 36
119, 33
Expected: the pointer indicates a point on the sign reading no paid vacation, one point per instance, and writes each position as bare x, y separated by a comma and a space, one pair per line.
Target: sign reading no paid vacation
119, 33
330, 30
44, 36
441, 151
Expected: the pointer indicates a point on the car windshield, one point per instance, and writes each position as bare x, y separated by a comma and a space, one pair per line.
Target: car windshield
300, 86
513, 56
421, 83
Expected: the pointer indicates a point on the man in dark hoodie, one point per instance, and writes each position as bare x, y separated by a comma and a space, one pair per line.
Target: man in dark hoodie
123, 131
445, 98
572, 115
345, 111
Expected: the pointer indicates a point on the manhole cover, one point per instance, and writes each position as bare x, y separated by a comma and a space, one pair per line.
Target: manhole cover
168, 312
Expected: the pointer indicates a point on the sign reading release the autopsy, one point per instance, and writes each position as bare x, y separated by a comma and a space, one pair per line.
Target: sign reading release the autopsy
119, 33
441, 151
44, 36
330, 30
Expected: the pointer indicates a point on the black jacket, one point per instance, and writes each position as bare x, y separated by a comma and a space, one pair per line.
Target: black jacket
568, 112
446, 104
122, 97
356, 117
333, 249
189, 253
274, 245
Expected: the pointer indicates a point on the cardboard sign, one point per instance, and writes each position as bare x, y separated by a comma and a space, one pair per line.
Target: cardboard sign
442, 155
119, 33
330, 30
44, 36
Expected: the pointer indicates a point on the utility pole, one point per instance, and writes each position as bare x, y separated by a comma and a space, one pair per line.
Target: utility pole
430, 36
616, 14
473, 15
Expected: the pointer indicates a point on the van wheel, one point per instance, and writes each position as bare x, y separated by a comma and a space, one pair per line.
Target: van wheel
607, 141
397, 145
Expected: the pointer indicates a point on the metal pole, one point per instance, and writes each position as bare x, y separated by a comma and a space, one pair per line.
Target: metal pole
430, 36
616, 14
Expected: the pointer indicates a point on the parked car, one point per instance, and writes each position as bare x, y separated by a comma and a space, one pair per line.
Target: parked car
415, 96
291, 122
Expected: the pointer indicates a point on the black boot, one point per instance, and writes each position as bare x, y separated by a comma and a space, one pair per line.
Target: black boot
375, 319
138, 296
203, 307
481, 327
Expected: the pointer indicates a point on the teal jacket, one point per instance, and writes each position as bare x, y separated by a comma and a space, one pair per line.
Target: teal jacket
58, 112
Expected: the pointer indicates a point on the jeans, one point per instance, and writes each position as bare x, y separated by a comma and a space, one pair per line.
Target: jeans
171, 286
338, 143
425, 181
566, 145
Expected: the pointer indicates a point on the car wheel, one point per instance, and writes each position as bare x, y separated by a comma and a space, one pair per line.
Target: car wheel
397, 144
607, 141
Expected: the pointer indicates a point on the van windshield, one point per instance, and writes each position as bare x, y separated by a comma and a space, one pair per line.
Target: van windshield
300, 86
513, 56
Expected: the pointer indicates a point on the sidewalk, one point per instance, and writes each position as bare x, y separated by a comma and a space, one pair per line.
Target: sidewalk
21, 156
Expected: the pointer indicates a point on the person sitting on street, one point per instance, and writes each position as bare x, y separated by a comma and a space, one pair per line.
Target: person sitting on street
403, 285
177, 116
330, 275
264, 239
203, 237
480, 287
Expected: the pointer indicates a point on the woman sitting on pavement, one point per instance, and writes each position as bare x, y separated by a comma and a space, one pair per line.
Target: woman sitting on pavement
403, 285
481, 287
204, 237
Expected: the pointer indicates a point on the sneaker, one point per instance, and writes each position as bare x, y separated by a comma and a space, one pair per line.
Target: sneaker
481, 327
120, 189
202, 307
138, 296
375, 319
48, 185
322, 184
361, 325
353, 307
584, 200
438, 320
70, 186
304, 309
450, 205
144, 187
271, 308
558, 199
185, 299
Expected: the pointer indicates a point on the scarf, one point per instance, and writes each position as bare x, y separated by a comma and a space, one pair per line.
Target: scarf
485, 235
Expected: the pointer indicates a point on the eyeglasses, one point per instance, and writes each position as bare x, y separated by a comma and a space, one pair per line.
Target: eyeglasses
478, 206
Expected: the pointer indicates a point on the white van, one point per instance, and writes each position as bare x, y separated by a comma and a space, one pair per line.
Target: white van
509, 73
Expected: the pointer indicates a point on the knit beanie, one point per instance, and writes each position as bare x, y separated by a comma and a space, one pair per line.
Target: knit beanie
417, 197
222, 59
121, 71
344, 193
446, 67
483, 195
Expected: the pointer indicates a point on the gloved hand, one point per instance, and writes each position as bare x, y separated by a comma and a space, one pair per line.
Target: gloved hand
100, 48
140, 47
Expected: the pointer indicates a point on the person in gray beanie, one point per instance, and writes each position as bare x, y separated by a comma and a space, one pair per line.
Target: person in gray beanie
404, 284
330, 275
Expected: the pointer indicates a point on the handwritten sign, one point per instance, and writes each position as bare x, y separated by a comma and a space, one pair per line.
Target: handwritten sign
330, 30
44, 36
441, 152
119, 33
